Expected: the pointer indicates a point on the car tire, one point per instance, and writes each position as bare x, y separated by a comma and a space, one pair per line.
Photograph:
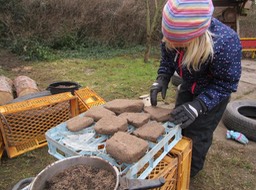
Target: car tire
240, 116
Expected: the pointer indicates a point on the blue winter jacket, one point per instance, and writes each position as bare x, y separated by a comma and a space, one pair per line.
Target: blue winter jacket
217, 77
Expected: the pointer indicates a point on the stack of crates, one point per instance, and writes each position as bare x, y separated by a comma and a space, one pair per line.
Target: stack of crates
168, 169
183, 151
175, 167
23, 124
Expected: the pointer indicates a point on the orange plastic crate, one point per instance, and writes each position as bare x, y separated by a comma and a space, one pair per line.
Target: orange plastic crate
87, 98
183, 151
23, 124
166, 168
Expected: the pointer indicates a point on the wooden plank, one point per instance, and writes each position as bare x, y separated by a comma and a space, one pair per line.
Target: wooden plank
249, 44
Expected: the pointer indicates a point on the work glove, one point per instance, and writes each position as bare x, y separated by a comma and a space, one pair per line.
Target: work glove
186, 113
237, 136
161, 85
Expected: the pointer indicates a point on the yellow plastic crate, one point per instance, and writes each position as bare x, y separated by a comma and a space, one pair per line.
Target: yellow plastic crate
166, 168
87, 98
183, 151
1, 145
23, 124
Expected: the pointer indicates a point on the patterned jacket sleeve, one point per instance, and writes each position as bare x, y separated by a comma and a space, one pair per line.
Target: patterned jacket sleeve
225, 71
166, 62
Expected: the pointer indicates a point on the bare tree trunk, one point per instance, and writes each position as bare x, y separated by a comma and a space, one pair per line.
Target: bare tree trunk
148, 42
151, 27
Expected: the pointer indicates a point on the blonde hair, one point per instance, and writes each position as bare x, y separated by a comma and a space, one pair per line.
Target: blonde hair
197, 52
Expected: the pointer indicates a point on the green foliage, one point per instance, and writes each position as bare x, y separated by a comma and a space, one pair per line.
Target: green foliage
73, 41
77, 41
32, 50
67, 41
40, 52
71, 25
69, 47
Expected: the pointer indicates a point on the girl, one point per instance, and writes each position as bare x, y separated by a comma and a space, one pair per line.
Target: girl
207, 55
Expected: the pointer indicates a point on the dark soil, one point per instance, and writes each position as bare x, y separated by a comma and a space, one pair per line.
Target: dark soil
65, 86
82, 177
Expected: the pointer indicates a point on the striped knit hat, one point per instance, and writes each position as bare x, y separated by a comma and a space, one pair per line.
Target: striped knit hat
184, 20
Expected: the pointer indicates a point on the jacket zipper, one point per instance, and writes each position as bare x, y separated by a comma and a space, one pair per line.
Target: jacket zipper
180, 62
193, 88
181, 73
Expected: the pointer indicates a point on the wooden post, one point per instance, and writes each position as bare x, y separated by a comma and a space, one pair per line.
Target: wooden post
25, 85
6, 92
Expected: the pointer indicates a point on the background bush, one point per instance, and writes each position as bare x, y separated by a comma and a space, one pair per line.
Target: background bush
34, 28
67, 24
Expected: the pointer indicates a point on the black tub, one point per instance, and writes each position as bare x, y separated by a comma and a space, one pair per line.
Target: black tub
63, 86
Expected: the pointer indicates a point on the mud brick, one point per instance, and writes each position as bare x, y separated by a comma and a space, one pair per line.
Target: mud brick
110, 125
150, 131
98, 112
126, 148
124, 105
136, 119
158, 113
79, 123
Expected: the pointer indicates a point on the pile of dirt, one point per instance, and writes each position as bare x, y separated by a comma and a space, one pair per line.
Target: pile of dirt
82, 177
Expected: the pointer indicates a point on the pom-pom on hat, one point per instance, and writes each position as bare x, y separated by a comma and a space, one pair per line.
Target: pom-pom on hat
184, 20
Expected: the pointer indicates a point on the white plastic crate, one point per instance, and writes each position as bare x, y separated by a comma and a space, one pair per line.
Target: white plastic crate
63, 143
